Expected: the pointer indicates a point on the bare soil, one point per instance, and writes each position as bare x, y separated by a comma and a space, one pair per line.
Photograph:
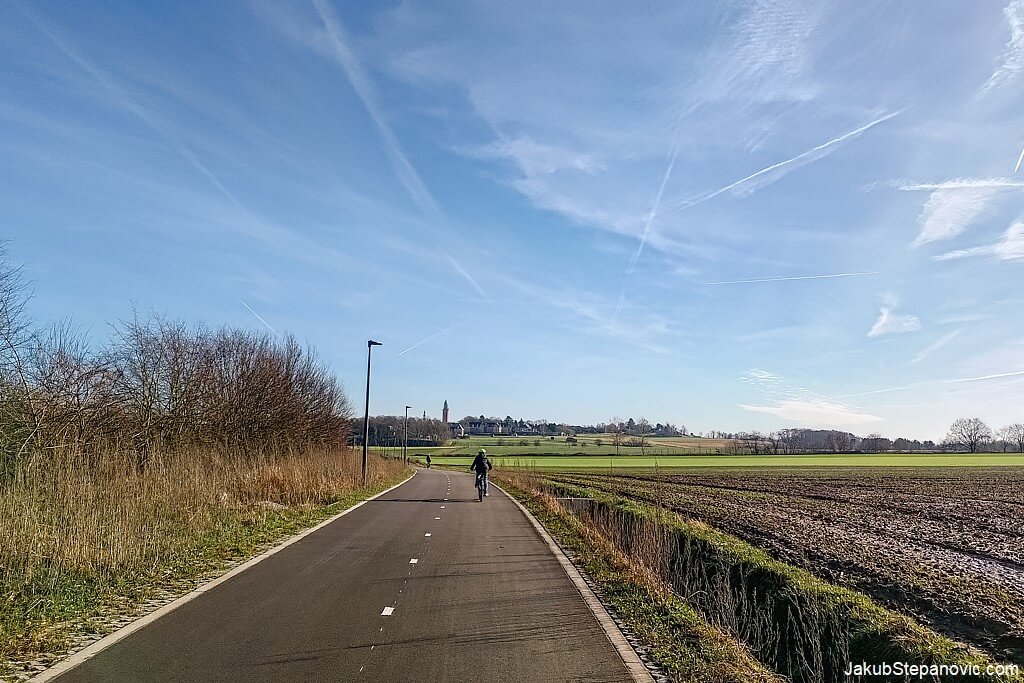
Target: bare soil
944, 544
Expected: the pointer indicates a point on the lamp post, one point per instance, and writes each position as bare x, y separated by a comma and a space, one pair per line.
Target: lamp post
366, 417
405, 443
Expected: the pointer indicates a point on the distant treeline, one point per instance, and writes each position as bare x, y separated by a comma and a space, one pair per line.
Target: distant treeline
389, 430
158, 383
965, 435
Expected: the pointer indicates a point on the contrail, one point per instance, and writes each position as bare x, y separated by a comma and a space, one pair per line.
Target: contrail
433, 336
107, 82
880, 391
917, 385
361, 83
261, 319
983, 377
786, 279
464, 273
654, 211
1019, 159
810, 155
367, 93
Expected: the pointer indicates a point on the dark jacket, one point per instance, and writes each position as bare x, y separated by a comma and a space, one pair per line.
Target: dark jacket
481, 465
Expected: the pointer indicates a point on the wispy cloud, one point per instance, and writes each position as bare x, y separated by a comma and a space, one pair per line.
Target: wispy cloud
794, 403
766, 58
1013, 54
1009, 248
821, 412
788, 279
935, 346
532, 157
890, 322
423, 341
593, 312
954, 204
367, 93
959, 184
948, 213
770, 174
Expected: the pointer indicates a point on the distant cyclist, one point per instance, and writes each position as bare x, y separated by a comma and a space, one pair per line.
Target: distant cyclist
428, 461
481, 465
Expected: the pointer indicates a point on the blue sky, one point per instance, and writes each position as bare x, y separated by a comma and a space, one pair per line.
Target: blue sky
742, 215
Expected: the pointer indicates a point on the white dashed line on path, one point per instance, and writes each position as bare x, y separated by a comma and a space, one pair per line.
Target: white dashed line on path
413, 561
387, 612
427, 535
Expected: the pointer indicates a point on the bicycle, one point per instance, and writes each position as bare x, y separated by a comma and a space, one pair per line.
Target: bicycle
481, 486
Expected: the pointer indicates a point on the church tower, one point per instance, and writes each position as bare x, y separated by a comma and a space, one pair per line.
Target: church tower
444, 412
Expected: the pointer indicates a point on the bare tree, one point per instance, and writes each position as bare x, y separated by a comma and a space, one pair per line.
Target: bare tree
643, 428
1014, 434
838, 442
790, 440
875, 443
615, 429
19, 419
752, 442
1001, 439
969, 433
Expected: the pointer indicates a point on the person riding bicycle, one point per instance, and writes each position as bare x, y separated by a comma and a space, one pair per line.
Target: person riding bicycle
481, 465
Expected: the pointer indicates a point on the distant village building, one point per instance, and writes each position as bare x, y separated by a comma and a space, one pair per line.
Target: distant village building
490, 426
486, 427
456, 429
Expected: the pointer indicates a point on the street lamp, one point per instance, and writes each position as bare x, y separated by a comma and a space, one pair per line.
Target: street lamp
366, 417
405, 444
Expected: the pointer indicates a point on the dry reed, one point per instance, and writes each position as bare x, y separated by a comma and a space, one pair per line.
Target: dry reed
73, 524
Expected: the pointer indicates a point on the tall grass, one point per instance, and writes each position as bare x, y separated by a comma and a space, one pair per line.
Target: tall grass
77, 532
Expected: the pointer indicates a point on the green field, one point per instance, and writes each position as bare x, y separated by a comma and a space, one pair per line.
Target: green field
681, 461
587, 444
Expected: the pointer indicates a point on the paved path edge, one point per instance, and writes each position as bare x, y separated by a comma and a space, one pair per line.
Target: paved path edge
630, 658
106, 641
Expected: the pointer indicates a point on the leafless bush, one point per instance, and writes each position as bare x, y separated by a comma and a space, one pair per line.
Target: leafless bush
162, 384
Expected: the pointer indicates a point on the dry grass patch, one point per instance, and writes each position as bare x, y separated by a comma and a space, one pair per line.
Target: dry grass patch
81, 537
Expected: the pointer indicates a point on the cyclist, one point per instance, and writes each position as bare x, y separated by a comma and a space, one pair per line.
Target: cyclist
481, 465
428, 461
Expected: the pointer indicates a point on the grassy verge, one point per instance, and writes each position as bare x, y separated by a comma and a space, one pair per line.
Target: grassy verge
793, 623
83, 548
682, 643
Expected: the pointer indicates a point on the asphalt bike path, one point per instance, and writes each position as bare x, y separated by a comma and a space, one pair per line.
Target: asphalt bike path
424, 583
